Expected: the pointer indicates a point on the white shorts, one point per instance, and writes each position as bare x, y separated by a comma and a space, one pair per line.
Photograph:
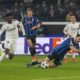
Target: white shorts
11, 45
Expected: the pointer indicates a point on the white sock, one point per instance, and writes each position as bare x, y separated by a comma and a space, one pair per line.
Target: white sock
66, 55
74, 55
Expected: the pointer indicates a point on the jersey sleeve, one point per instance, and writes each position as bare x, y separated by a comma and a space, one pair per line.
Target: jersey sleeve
36, 21
65, 31
21, 28
70, 42
78, 29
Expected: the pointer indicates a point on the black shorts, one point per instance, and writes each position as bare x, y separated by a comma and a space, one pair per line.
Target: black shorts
32, 38
57, 59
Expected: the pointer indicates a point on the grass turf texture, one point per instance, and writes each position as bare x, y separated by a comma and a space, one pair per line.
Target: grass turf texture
16, 70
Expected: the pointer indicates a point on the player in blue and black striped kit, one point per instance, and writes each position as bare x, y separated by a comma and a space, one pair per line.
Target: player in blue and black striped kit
31, 23
58, 52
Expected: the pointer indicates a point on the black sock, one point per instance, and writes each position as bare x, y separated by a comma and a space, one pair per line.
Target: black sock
11, 56
32, 51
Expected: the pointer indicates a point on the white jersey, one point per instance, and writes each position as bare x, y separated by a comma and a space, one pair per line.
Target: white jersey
21, 28
71, 29
11, 30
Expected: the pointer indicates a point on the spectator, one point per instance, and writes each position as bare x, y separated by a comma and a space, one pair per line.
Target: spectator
44, 11
51, 13
41, 7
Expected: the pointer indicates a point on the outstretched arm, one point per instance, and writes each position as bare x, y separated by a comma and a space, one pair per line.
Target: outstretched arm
74, 49
21, 28
35, 27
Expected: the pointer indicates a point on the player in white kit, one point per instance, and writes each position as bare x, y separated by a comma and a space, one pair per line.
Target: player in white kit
71, 30
11, 29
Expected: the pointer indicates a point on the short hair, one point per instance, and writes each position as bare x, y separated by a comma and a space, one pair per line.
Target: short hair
71, 14
8, 14
28, 9
78, 35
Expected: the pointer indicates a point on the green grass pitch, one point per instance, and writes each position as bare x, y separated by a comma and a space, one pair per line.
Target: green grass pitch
16, 70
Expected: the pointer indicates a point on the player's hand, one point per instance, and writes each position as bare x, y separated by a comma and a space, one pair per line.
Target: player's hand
33, 28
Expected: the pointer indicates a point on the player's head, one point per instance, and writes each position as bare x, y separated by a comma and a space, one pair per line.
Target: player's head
29, 12
77, 38
72, 18
9, 17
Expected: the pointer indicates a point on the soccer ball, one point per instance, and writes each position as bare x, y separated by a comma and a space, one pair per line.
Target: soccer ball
44, 64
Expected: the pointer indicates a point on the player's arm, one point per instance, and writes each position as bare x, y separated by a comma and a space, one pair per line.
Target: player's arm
74, 49
37, 24
78, 29
71, 45
65, 31
21, 28
35, 27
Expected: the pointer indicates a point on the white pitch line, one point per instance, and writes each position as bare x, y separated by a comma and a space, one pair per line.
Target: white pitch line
59, 78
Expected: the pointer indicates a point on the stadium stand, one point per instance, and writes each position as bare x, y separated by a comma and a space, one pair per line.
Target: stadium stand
45, 10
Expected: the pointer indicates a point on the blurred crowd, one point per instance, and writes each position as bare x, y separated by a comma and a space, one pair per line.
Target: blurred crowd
45, 10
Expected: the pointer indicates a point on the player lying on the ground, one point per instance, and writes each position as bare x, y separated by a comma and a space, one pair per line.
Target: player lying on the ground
11, 29
58, 52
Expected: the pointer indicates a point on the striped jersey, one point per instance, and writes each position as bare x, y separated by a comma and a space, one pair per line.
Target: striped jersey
72, 29
62, 49
28, 23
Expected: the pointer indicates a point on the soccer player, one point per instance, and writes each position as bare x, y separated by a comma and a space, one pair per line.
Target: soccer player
71, 30
31, 23
58, 52
11, 29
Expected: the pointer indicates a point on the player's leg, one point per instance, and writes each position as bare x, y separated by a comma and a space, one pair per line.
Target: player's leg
33, 39
66, 58
31, 42
7, 46
74, 54
32, 49
49, 58
56, 63
57, 59
74, 57
12, 49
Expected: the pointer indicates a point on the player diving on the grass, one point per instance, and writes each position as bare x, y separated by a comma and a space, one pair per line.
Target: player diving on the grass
57, 54
11, 29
